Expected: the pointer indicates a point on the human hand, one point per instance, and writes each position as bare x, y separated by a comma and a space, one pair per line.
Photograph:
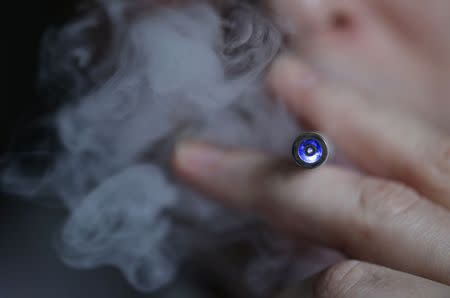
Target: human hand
383, 99
395, 215
395, 51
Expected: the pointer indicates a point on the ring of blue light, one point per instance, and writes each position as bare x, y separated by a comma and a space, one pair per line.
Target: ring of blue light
310, 159
310, 150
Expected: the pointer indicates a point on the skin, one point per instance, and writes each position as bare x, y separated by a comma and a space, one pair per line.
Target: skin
374, 80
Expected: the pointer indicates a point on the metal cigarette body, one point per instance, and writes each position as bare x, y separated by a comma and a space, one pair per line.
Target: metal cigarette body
310, 150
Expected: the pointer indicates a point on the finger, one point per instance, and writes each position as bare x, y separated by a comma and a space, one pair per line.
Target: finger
380, 140
306, 17
403, 15
342, 23
353, 279
370, 219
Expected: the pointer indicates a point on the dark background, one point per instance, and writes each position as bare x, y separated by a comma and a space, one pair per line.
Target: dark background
29, 266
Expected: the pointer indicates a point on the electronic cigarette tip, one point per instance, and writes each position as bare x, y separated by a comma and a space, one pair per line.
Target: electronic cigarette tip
310, 150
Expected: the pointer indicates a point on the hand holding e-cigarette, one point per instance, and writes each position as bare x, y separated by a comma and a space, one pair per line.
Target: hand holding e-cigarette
393, 217
373, 77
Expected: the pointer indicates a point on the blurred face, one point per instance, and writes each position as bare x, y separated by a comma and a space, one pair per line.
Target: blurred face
397, 51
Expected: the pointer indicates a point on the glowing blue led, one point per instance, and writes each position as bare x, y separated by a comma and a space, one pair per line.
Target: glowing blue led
310, 151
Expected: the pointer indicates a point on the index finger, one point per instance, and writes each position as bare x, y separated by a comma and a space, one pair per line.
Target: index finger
371, 219
380, 140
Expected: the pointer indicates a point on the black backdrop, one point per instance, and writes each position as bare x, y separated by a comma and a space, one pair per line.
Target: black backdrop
29, 266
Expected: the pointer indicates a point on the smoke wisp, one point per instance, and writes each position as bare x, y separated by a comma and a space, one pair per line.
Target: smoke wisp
135, 79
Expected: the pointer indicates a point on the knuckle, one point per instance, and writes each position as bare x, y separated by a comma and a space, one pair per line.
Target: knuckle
443, 158
381, 201
340, 279
385, 198
432, 174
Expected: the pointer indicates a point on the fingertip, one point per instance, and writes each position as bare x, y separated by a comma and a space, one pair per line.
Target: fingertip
225, 175
196, 160
292, 82
290, 73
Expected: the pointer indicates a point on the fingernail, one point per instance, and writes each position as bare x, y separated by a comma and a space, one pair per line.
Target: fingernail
198, 159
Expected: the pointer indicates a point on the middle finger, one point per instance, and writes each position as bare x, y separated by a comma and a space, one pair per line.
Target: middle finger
380, 140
